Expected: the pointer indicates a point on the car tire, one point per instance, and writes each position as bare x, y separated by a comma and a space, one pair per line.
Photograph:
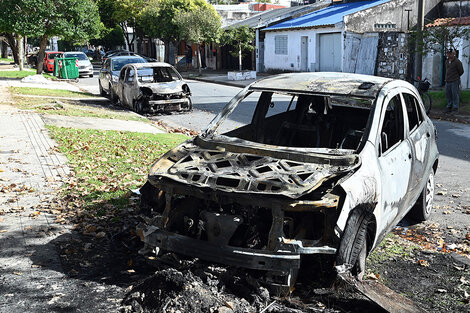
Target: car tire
423, 206
190, 104
138, 106
102, 92
353, 247
112, 94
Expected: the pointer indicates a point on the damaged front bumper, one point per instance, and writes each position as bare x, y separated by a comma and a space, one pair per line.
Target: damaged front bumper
281, 261
168, 105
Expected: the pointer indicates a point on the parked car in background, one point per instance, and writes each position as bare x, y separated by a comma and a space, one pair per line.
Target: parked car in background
49, 57
85, 68
325, 165
153, 87
109, 74
117, 53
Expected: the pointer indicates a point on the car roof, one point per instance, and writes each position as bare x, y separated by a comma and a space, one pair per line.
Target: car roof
74, 52
149, 64
326, 83
124, 57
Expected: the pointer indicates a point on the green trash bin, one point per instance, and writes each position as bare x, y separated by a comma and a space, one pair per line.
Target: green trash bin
66, 68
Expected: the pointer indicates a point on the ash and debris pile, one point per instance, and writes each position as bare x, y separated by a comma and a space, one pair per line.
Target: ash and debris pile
205, 288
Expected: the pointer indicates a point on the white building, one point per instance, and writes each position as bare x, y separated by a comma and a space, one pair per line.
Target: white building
342, 37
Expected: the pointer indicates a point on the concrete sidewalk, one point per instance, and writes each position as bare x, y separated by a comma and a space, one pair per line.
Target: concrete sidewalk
31, 276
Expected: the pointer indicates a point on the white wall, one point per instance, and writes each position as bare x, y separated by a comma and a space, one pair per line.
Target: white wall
291, 61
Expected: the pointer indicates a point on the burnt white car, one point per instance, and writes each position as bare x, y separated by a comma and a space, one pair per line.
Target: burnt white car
326, 164
153, 87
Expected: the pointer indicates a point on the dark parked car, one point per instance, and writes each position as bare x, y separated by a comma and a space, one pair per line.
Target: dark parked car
109, 74
325, 165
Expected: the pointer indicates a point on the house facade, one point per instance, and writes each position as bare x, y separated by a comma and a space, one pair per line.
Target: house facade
365, 37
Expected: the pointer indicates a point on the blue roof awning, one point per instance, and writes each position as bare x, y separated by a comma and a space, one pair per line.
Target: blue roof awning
327, 16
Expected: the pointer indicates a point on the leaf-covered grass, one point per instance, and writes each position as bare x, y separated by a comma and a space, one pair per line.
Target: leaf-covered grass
49, 92
439, 101
72, 108
107, 164
22, 74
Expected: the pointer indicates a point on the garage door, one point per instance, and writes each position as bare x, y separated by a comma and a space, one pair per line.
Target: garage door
330, 52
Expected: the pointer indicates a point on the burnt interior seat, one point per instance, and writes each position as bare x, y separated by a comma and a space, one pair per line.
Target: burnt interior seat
352, 139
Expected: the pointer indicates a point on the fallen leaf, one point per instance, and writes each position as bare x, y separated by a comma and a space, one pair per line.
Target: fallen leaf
441, 290
423, 263
441, 193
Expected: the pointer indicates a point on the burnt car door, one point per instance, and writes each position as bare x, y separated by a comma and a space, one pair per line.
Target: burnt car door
419, 134
394, 159
120, 85
105, 75
128, 88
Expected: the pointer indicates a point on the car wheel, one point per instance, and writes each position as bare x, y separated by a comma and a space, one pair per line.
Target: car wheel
112, 94
102, 92
190, 104
138, 106
353, 247
423, 206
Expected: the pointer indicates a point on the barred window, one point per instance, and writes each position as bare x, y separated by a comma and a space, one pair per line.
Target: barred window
280, 44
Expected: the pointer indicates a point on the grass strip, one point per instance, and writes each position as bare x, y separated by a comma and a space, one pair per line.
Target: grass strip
49, 92
73, 108
107, 164
22, 74
439, 100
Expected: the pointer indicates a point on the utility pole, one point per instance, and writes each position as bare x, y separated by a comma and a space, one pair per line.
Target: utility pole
419, 40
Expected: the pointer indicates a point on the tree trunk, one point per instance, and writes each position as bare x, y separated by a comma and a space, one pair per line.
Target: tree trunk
4, 49
240, 57
13, 46
19, 41
126, 35
199, 63
167, 51
42, 49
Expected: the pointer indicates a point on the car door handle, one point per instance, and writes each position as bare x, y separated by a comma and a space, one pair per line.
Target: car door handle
409, 156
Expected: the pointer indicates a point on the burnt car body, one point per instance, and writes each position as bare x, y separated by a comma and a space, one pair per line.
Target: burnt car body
153, 87
329, 173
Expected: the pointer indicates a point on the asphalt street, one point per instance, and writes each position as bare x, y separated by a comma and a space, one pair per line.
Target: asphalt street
452, 201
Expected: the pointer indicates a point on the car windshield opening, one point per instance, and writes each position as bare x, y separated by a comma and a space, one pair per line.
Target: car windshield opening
299, 120
157, 74
80, 56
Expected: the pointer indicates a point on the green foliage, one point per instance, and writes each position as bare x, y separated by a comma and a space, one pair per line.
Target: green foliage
240, 38
199, 25
442, 35
75, 20
128, 11
110, 38
158, 17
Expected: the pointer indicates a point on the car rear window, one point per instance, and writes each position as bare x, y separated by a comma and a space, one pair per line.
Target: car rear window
118, 64
52, 56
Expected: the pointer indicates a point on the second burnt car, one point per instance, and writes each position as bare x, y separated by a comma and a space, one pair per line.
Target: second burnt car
325, 164
153, 87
